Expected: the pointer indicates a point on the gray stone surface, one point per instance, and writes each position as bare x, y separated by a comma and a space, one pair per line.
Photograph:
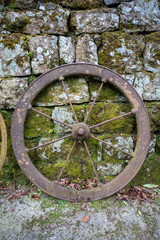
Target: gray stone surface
52, 21
151, 86
51, 219
44, 53
140, 15
11, 91
14, 58
86, 50
65, 115
94, 21
66, 49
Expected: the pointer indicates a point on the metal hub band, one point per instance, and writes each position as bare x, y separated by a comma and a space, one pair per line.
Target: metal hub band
80, 131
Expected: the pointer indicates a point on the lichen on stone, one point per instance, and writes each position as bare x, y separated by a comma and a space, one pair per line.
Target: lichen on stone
45, 53
14, 59
121, 52
94, 21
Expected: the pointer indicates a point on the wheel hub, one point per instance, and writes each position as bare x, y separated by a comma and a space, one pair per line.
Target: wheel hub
80, 131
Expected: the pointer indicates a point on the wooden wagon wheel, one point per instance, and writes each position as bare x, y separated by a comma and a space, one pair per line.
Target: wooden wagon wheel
80, 131
4, 141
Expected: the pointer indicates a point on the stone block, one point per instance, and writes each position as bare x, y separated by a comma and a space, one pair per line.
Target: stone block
66, 49
55, 94
37, 22
151, 53
140, 16
44, 53
86, 50
122, 52
14, 58
94, 21
11, 91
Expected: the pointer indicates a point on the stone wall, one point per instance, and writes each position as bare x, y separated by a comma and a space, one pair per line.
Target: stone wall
36, 36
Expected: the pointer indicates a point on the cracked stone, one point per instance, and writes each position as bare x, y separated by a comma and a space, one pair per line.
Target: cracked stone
140, 16
14, 58
44, 53
94, 21
86, 50
11, 91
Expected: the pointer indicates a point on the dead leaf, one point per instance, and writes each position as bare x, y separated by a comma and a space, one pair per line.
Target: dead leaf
85, 219
36, 197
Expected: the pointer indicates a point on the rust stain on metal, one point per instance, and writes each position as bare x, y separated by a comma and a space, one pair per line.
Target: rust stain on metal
81, 131
3, 132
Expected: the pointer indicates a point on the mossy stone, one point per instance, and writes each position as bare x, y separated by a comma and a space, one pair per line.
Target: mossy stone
108, 92
153, 109
104, 111
18, 25
50, 159
37, 124
121, 52
149, 173
11, 40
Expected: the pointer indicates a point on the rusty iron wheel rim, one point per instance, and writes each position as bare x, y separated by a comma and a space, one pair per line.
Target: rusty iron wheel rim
4, 141
59, 74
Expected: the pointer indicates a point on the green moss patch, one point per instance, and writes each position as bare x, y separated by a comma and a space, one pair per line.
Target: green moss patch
104, 111
37, 124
